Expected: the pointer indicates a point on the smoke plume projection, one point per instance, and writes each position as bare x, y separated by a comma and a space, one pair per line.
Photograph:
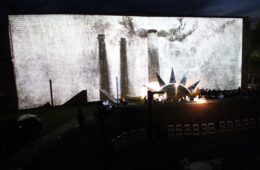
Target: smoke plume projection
71, 51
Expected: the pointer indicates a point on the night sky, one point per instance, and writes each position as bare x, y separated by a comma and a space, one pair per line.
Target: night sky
231, 8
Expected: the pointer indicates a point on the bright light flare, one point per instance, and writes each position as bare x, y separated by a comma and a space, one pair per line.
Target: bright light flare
176, 88
154, 86
200, 100
143, 92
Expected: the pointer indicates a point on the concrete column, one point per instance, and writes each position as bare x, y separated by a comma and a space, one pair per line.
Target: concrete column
103, 64
123, 69
153, 56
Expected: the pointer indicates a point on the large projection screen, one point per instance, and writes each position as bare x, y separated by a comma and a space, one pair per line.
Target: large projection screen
88, 52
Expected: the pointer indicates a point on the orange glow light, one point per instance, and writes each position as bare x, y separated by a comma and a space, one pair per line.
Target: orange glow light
200, 100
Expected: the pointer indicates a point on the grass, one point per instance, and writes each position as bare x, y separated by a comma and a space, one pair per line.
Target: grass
81, 148
254, 67
53, 117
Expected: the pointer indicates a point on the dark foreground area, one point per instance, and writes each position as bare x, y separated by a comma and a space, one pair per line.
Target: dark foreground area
134, 137
77, 150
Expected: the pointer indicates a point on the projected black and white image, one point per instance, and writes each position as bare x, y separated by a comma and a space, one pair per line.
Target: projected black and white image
88, 52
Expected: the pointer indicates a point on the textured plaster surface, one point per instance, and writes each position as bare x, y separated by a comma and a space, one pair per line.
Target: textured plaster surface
64, 48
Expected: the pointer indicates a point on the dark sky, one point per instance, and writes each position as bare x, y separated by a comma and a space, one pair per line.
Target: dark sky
249, 8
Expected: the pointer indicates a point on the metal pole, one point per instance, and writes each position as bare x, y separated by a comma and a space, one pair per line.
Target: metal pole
51, 92
149, 102
101, 129
117, 98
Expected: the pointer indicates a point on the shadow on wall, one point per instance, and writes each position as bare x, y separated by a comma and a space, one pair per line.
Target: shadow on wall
78, 99
8, 99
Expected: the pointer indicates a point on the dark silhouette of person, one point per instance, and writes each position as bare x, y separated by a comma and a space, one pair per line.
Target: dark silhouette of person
81, 118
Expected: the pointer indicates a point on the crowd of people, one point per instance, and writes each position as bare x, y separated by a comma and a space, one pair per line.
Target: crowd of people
219, 94
250, 93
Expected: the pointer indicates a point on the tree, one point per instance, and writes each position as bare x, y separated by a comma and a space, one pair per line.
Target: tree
255, 43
